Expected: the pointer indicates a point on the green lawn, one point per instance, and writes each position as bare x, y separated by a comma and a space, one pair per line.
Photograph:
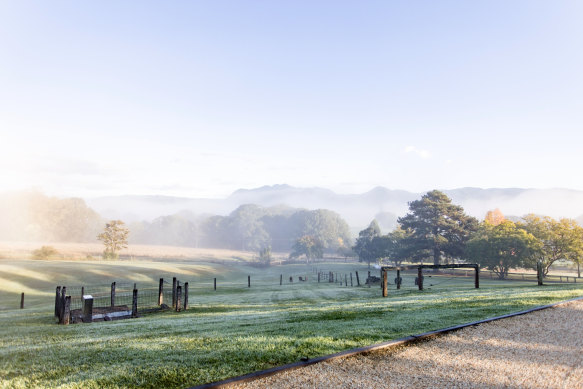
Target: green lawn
232, 331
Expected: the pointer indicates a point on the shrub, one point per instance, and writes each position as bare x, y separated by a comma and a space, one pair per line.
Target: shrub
45, 252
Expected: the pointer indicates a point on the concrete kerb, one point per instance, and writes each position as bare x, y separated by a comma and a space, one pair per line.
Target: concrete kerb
363, 350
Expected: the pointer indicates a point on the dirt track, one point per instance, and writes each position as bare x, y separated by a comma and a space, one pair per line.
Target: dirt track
543, 349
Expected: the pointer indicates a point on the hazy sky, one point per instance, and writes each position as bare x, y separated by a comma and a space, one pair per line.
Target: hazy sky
200, 98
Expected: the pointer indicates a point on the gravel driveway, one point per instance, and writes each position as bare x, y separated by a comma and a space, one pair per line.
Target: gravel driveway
542, 349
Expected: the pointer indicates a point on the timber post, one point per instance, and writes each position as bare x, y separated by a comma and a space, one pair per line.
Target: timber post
357, 279
384, 283
178, 298
477, 277
112, 294
174, 292
398, 279
66, 311
135, 303
420, 277
62, 303
185, 296
87, 309
161, 292
57, 299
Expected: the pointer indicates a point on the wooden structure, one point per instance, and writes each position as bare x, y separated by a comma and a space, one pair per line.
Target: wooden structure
386, 269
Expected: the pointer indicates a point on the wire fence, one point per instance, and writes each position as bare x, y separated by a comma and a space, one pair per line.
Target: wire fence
148, 295
131, 298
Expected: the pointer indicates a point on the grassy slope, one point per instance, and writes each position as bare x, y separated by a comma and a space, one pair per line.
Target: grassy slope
233, 331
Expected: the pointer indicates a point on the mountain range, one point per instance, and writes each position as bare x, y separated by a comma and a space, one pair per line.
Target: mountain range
357, 209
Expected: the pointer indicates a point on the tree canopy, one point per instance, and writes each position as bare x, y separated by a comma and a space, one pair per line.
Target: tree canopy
363, 246
501, 247
307, 245
436, 227
114, 238
560, 239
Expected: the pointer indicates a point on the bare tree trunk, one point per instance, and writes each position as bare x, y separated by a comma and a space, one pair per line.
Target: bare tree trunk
436, 256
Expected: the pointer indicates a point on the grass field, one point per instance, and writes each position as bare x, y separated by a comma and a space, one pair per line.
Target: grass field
232, 331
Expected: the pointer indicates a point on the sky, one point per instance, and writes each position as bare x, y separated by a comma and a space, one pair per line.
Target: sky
201, 98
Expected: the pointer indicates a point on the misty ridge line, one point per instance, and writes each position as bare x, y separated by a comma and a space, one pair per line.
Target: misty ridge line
357, 209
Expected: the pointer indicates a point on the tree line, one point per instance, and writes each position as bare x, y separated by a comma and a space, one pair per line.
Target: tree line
249, 227
437, 230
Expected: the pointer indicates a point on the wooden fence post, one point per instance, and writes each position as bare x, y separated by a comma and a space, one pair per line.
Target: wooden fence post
345, 279
357, 279
185, 296
178, 298
161, 292
281, 279
174, 292
398, 279
318, 277
248, 281
384, 283
351, 279
57, 300
82, 292
62, 303
420, 277
22, 301
477, 277
135, 303
66, 311
368, 279
113, 294
87, 309
215, 284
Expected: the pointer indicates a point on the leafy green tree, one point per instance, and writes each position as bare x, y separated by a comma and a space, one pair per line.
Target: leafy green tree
560, 239
363, 246
114, 238
501, 247
437, 227
398, 247
307, 245
576, 253
245, 228
325, 225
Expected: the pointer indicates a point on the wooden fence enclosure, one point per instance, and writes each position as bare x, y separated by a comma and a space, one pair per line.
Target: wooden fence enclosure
92, 303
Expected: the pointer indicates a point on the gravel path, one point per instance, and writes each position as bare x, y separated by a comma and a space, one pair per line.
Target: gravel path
542, 349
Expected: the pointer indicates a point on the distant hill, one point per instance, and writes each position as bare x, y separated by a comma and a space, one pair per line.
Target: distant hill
357, 209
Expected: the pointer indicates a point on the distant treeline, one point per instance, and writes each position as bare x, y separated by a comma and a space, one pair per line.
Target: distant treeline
33, 216
249, 227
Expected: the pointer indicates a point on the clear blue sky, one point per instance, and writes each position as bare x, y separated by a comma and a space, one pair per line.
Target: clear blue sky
200, 98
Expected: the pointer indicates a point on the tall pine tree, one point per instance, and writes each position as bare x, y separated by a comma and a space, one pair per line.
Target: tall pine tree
436, 227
